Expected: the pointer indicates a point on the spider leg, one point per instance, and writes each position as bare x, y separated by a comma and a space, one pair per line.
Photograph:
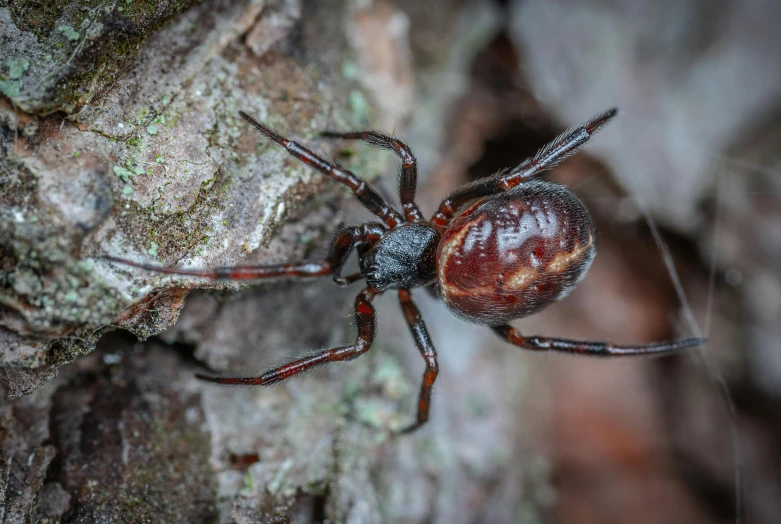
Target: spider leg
342, 246
362, 237
560, 148
418, 329
408, 180
600, 349
367, 195
364, 318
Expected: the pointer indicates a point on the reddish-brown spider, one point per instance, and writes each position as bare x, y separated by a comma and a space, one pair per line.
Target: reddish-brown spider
523, 245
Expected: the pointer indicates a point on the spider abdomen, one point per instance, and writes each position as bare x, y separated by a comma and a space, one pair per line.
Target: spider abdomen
513, 254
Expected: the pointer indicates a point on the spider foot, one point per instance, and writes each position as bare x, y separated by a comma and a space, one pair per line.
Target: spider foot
408, 429
232, 381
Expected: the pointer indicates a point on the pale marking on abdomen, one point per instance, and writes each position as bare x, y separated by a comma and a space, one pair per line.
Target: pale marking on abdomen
448, 250
562, 261
518, 281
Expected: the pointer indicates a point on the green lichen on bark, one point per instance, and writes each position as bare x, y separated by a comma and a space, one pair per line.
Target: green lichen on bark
199, 190
74, 49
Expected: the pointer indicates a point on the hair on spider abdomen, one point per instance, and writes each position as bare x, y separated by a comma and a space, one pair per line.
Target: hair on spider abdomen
523, 245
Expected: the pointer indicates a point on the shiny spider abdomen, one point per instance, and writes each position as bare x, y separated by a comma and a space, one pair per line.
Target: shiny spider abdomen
513, 254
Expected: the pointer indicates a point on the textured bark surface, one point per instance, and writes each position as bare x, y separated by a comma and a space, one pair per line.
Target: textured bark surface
119, 137
150, 162
154, 165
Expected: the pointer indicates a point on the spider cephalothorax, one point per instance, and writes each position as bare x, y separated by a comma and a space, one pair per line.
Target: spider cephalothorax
523, 245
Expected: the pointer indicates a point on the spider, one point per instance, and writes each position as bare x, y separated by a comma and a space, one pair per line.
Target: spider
523, 245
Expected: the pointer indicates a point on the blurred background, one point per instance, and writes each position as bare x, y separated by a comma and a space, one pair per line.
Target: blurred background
685, 190
684, 187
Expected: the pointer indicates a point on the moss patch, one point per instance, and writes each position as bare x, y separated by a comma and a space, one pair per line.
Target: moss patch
73, 48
